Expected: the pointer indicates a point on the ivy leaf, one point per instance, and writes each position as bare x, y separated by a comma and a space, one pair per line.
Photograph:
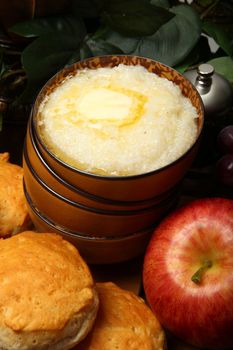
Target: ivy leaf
222, 38
134, 17
223, 66
37, 27
171, 44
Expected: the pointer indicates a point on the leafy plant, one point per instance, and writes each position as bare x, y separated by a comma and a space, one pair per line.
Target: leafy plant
172, 32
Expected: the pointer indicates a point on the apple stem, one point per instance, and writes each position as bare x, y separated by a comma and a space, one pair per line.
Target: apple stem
196, 278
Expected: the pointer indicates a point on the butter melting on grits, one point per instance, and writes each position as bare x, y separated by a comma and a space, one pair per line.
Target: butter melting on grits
97, 106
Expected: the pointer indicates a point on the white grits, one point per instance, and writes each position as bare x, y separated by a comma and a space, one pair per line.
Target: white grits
117, 121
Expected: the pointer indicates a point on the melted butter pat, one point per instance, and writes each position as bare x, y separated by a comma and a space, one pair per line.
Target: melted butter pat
111, 105
98, 106
104, 104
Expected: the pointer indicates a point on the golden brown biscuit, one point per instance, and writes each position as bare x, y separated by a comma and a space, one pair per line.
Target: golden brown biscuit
48, 298
13, 210
5, 156
124, 322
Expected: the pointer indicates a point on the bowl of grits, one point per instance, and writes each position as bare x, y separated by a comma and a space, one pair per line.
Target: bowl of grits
110, 140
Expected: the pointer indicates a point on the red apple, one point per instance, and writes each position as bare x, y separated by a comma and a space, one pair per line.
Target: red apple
188, 273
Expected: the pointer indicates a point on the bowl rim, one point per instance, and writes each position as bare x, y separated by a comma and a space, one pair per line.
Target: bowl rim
71, 168
79, 235
104, 212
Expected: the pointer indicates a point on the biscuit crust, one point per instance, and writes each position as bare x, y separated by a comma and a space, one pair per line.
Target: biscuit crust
124, 322
47, 295
13, 209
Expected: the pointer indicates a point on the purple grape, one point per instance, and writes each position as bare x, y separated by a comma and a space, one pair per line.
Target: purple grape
225, 139
225, 170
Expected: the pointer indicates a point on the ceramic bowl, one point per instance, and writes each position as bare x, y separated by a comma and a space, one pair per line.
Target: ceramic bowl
110, 218
89, 220
122, 188
95, 250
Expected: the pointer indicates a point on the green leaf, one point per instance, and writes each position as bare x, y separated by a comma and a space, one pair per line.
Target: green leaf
85, 8
94, 46
200, 53
128, 45
161, 3
134, 17
188, 61
205, 3
175, 40
223, 66
40, 26
171, 44
99, 47
222, 38
44, 57
75, 57
84, 51
28, 95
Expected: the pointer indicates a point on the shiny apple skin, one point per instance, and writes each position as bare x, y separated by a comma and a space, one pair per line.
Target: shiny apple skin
200, 314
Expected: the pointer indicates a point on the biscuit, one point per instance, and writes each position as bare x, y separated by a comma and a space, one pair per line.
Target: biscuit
14, 215
48, 299
124, 322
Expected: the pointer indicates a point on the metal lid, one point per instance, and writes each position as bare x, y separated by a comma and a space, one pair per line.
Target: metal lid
205, 70
216, 91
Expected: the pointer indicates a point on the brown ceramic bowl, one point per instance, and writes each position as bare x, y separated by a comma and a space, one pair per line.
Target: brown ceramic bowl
122, 188
95, 250
88, 220
35, 161
109, 218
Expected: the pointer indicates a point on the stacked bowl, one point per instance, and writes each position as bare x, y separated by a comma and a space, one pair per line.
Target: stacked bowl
108, 217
